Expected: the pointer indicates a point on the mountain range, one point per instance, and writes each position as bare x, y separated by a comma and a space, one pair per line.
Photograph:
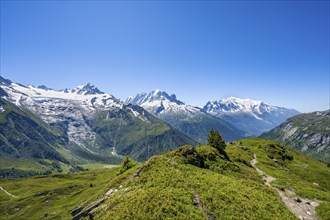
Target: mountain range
235, 118
97, 127
187, 119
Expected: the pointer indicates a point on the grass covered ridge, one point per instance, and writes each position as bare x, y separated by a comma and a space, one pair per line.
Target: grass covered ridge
308, 177
187, 183
199, 185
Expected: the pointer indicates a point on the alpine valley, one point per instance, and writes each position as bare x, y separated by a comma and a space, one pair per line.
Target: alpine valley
76, 126
84, 125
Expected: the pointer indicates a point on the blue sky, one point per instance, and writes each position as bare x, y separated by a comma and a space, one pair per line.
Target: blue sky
276, 51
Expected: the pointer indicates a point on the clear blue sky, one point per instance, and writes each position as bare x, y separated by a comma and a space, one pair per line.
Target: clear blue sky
276, 51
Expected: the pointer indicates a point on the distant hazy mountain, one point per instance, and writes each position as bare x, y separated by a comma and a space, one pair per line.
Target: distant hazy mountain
187, 119
253, 117
97, 125
308, 133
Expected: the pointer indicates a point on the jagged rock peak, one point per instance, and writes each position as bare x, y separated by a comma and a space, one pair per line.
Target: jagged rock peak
87, 89
4, 81
155, 95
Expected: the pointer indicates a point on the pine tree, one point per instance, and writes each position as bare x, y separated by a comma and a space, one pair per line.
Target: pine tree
215, 140
126, 164
210, 138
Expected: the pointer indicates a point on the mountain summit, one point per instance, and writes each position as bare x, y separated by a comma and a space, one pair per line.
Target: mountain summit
156, 98
233, 104
87, 89
254, 117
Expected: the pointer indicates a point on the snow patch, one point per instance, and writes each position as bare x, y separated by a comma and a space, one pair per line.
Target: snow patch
135, 113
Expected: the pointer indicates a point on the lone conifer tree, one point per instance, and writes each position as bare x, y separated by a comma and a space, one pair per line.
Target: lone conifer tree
215, 140
126, 164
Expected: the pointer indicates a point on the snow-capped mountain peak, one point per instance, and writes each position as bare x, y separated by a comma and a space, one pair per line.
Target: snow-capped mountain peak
156, 91
90, 95
44, 87
257, 116
233, 104
87, 89
5, 81
154, 96
68, 108
188, 119
160, 102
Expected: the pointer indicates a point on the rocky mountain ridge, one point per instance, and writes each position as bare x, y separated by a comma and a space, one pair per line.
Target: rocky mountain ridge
307, 133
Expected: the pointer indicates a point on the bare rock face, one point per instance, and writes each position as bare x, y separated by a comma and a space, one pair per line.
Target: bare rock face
307, 133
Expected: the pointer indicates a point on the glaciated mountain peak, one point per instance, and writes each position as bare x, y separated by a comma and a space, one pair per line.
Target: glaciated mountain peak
241, 102
156, 91
87, 89
188, 119
160, 103
68, 109
153, 97
88, 95
233, 104
44, 87
250, 115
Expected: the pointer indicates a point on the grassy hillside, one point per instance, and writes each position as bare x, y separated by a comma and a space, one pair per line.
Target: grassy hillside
51, 197
204, 185
308, 177
169, 186
193, 183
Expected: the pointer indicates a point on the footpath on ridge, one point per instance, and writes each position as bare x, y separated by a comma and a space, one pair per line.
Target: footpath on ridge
9, 194
303, 208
